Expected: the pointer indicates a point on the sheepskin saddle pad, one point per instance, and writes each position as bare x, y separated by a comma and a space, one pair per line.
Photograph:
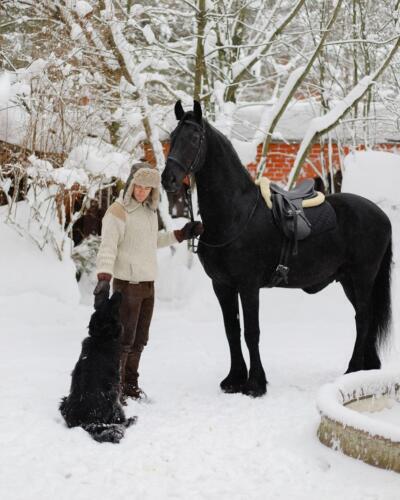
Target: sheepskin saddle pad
94, 399
299, 212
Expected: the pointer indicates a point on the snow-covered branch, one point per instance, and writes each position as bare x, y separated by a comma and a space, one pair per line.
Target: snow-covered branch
323, 124
293, 83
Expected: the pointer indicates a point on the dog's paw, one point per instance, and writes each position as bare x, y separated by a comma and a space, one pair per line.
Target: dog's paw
130, 421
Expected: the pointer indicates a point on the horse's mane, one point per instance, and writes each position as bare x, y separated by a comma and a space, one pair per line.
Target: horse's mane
217, 140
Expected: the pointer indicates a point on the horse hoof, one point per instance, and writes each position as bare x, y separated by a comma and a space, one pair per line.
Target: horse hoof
231, 388
233, 385
254, 390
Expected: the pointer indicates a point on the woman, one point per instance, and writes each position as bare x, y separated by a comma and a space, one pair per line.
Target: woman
127, 253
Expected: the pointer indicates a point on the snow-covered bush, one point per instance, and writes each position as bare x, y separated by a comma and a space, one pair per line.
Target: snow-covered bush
84, 255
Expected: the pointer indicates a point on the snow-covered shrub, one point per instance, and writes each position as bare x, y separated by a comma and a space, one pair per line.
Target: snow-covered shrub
84, 256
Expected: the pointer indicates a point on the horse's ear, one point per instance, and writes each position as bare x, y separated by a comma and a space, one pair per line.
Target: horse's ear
179, 110
197, 110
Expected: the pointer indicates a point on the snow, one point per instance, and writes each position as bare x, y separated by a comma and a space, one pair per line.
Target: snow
4, 88
91, 159
148, 34
137, 10
224, 120
134, 118
39, 168
382, 168
390, 415
322, 123
191, 441
296, 120
16, 122
376, 176
245, 62
240, 65
34, 69
270, 116
76, 31
30, 273
160, 64
246, 150
99, 158
83, 8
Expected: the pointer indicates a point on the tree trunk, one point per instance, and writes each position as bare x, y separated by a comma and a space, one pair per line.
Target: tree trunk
200, 63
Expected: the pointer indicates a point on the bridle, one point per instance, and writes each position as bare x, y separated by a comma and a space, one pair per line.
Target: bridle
197, 158
194, 242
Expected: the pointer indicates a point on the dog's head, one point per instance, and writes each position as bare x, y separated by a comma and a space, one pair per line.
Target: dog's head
105, 321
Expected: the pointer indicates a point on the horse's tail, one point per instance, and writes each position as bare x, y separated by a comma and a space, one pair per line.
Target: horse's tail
381, 299
108, 433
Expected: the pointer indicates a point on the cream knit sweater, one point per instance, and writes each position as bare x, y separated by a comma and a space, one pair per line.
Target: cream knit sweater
129, 240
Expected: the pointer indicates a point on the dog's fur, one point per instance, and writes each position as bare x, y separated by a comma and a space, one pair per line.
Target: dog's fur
93, 402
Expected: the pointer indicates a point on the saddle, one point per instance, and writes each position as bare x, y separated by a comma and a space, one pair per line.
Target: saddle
287, 208
289, 215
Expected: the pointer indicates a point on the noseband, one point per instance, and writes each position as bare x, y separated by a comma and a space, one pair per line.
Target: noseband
198, 157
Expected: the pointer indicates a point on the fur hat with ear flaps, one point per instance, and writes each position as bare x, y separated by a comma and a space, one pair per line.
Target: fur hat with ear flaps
143, 174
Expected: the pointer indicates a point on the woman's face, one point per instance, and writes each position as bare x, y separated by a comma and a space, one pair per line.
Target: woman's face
140, 193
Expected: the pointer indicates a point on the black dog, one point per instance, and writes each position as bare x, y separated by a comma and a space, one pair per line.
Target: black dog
93, 402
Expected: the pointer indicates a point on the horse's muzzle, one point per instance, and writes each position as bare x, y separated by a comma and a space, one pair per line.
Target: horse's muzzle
171, 178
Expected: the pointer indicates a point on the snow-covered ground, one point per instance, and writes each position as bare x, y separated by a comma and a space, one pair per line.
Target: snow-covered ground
191, 441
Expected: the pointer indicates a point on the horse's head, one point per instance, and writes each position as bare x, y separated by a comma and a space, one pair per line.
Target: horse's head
187, 149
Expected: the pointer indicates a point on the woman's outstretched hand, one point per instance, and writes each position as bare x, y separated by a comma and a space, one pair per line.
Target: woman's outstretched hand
189, 230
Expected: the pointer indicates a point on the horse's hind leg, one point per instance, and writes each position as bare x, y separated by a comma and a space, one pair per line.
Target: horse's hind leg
228, 299
256, 385
359, 293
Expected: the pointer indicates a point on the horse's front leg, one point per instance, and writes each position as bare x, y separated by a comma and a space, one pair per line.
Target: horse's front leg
228, 299
256, 384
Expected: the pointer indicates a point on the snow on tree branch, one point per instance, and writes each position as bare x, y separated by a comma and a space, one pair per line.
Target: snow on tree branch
293, 83
323, 124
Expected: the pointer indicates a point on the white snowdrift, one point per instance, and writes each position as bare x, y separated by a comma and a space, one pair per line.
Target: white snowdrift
373, 174
27, 270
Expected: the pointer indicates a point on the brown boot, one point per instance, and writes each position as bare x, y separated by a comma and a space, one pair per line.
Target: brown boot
134, 392
131, 388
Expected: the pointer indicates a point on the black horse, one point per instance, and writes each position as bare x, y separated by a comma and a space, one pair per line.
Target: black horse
241, 244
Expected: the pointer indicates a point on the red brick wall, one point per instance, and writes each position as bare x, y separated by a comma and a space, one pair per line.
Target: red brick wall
281, 157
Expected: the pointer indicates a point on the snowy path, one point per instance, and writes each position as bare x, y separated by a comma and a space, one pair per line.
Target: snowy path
192, 441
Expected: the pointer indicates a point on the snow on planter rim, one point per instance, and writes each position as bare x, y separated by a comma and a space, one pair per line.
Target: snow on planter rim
354, 433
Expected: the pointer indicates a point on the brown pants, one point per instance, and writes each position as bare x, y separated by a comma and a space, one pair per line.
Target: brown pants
136, 312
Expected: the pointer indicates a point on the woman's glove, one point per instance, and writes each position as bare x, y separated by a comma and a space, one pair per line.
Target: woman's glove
102, 290
189, 230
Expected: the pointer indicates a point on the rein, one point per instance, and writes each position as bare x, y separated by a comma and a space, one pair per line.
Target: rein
193, 246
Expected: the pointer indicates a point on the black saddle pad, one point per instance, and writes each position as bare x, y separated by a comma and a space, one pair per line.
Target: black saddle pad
322, 218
